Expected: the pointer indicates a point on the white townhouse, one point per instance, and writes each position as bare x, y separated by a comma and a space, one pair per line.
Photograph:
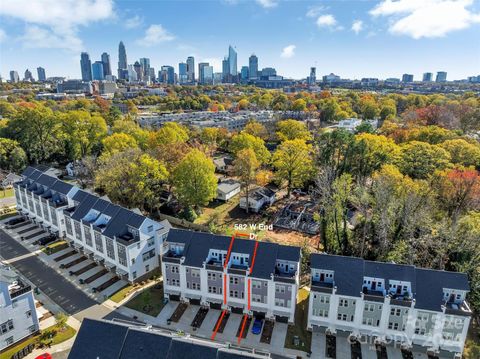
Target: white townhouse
417, 309
18, 316
123, 241
255, 278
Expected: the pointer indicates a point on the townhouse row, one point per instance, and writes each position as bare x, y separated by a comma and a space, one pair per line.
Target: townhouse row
123, 241
244, 276
389, 304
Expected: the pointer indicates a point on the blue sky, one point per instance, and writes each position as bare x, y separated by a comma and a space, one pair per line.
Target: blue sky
354, 39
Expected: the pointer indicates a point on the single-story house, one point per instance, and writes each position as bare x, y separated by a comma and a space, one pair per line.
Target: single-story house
257, 199
223, 164
10, 179
227, 189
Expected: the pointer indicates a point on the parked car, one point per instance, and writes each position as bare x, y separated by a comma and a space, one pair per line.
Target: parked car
44, 356
46, 240
14, 221
257, 326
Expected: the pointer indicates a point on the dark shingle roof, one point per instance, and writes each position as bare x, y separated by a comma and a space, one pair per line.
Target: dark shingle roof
62, 187
198, 244
108, 340
46, 180
98, 339
85, 205
349, 273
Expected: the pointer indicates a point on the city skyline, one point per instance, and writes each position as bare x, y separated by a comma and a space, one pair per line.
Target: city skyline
350, 39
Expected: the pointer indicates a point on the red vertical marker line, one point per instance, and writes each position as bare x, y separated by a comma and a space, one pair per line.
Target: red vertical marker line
254, 256
218, 325
243, 328
224, 289
228, 253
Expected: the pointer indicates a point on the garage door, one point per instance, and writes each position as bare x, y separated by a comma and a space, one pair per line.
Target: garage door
216, 306
174, 297
259, 315
237, 310
195, 301
281, 319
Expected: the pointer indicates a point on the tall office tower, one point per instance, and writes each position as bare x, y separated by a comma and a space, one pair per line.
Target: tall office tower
201, 66
427, 77
208, 75
28, 76
151, 74
145, 62
86, 66
122, 62
182, 73
107, 68
232, 61
41, 74
131, 74
225, 70
441, 76
406, 78
312, 79
191, 69
244, 74
98, 71
14, 76
138, 69
253, 67
168, 74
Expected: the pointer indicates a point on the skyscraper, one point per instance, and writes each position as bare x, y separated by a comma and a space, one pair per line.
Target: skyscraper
244, 74
427, 77
28, 76
98, 70
168, 74
145, 63
253, 67
191, 69
201, 75
122, 62
225, 70
86, 66
406, 78
182, 72
14, 76
232, 61
441, 76
312, 79
41, 74
107, 68
208, 75
138, 69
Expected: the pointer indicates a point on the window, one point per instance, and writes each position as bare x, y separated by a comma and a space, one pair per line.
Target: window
134, 275
173, 282
195, 273
342, 317
150, 228
393, 326
233, 280
6, 326
78, 230
98, 242
256, 284
133, 261
32, 329
211, 276
28, 313
122, 254
110, 248
174, 269
279, 302
280, 288
151, 242
148, 255
88, 236
213, 290
195, 286
9, 340
343, 303
147, 268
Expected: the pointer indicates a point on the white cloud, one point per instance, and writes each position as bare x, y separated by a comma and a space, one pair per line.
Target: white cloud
53, 23
134, 22
288, 51
426, 18
327, 20
154, 35
3, 35
357, 26
267, 4
315, 11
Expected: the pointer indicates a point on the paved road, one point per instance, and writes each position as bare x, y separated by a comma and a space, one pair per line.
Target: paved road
71, 299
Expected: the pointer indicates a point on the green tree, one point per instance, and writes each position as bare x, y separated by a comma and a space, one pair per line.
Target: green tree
256, 129
462, 152
194, 179
132, 178
244, 140
299, 105
420, 159
170, 133
293, 161
245, 167
12, 156
118, 142
369, 108
292, 130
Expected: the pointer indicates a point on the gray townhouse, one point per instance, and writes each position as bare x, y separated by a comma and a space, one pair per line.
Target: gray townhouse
198, 268
389, 304
18, 316
123, 241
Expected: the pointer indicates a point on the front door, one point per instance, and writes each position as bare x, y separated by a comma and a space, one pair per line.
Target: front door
374, 285
322, 277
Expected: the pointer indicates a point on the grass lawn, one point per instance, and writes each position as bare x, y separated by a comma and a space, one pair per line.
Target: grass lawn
55, 247
59, 337
472, 345
6, 193
300, 327
149, 301
122, 293
217, 211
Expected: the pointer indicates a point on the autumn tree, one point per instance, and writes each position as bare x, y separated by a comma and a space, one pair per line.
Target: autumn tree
194, 179
245, 167
117, 142
462, 152
256, 129
293, 162
244, 140
292, 130
12, 156
420, 159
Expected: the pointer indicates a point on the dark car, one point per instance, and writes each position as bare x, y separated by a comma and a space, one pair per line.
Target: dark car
257, 326
14, 221
46, 240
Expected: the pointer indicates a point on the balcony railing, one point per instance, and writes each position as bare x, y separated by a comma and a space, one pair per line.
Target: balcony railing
458, 308
16, 292
373, 295
323, 287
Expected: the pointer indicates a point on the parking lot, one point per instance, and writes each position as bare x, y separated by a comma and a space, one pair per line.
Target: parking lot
68, 277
